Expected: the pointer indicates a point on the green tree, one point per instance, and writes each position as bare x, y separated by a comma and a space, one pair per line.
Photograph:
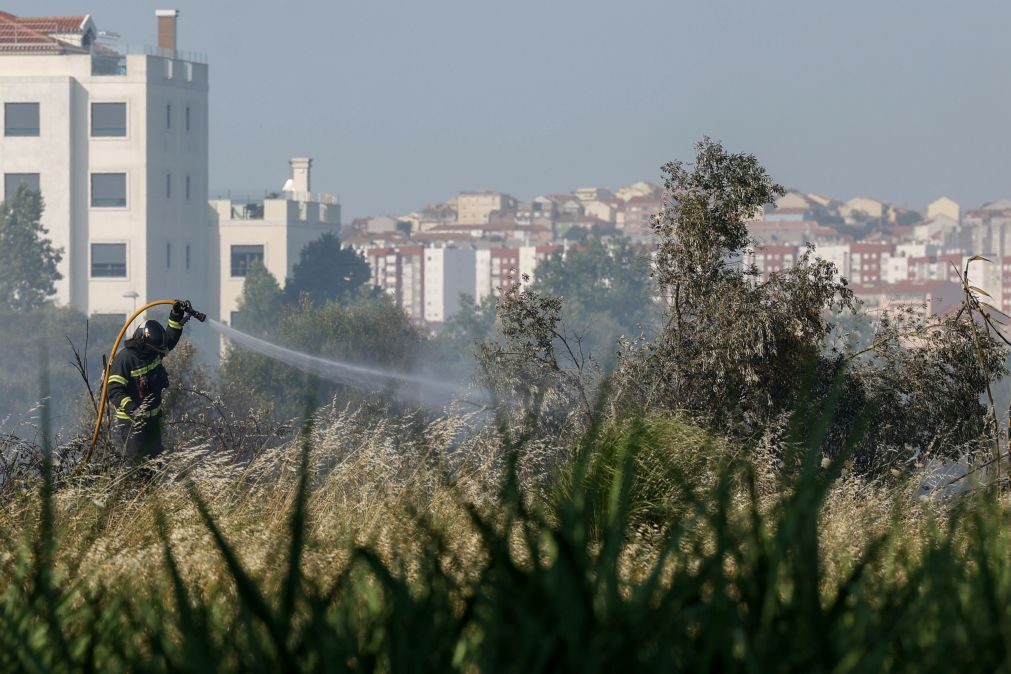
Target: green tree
741, 352
28, 260
261, 301
327, 271
733, 349
605, 287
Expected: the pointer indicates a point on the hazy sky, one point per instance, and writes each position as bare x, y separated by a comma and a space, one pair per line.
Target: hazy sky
405, 103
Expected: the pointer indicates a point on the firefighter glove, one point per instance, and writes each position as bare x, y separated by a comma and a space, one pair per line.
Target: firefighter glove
178, 313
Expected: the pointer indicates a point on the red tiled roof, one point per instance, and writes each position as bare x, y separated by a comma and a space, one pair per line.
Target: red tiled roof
34, 35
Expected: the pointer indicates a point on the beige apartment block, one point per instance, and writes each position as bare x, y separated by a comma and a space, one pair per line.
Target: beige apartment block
475, 208
869, 207
593, 194
946, 207
116, 142
793, 200
638, 190
272, 230
602, 210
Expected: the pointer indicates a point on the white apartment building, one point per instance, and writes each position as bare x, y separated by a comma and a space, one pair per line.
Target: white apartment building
116, 141
449, 273
272, 230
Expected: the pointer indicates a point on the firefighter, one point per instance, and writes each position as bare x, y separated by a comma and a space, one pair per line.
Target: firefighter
137, 379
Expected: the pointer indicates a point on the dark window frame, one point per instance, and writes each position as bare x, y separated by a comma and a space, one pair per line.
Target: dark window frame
22, 131
242, 260
109, 202
109, 131
114, 269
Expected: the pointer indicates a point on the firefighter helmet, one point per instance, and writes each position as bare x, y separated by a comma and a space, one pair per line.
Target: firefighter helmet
151, 335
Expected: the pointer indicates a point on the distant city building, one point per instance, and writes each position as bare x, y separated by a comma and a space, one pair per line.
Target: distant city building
640, 189
476, 207
637, 220
858, 207
793, 200
593, 194
944, 207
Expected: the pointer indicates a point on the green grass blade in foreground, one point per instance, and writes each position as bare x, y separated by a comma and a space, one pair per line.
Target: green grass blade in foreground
249, 592
198, 650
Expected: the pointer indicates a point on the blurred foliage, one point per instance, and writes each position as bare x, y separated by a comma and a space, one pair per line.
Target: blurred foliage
28, 260
27, 337
606, 292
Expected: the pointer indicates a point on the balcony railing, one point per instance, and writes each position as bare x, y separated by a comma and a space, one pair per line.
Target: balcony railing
258, 196
113, 61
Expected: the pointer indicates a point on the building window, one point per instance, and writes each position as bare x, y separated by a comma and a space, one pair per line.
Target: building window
168, 116
108, 120
168, 185
108, 260
187, 188
168, 255
187, 118
169, 68
12, 181
21, 119
108, 190
187, 256
243, 258
233, 319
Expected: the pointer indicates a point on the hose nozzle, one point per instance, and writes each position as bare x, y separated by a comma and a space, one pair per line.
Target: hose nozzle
188, 308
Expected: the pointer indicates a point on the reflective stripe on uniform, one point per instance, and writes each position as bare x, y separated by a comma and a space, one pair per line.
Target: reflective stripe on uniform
175, 325
119, 379
123, 403
147, 368
121, 414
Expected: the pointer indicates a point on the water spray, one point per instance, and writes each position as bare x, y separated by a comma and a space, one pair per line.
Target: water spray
338, 371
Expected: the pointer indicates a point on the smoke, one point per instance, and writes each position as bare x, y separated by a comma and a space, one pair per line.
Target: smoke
416, 388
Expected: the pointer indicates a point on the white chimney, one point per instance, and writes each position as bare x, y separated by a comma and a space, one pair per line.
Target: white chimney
167, 28
300, 170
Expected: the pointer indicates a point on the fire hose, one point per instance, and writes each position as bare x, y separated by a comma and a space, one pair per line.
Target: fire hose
105, 374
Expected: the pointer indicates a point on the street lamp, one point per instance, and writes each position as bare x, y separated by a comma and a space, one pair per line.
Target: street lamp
132, 294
